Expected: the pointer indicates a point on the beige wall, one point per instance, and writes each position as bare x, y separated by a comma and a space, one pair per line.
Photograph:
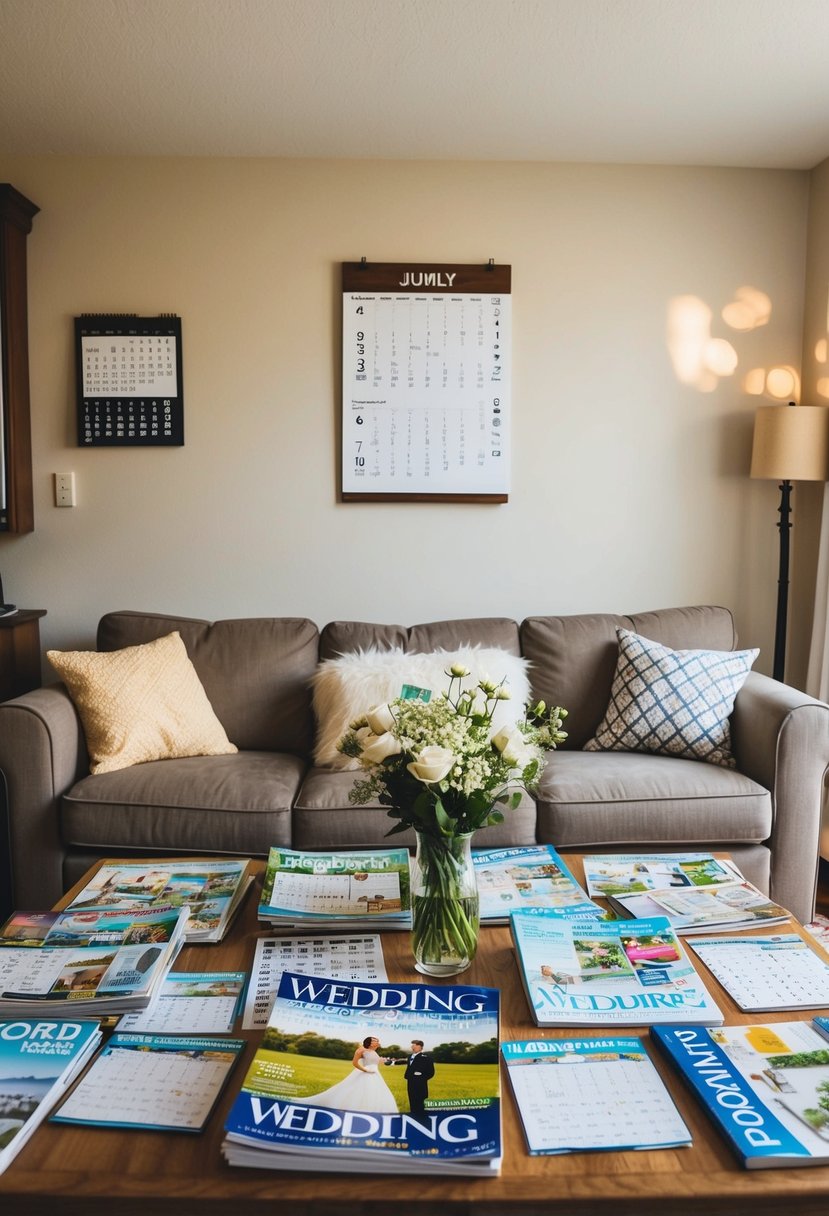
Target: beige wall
629, 481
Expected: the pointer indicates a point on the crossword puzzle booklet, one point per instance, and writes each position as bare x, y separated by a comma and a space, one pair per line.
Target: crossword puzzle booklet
337, 890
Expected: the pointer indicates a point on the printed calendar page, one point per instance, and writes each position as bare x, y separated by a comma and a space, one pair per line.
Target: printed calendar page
153, 1081
426, 380
591, 1094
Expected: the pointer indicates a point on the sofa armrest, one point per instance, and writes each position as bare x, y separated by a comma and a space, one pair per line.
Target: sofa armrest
42, 755
781, 740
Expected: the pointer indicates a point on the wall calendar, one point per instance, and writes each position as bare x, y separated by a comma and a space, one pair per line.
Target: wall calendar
129, 381
426, 382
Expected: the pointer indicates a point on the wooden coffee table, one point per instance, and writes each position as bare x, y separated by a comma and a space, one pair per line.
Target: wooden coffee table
76, 1171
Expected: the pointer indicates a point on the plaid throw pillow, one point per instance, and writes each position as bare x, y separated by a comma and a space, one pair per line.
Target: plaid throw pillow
672, 702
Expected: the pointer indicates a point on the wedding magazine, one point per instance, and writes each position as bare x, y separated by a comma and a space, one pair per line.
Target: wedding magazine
526, 876
392, 1078
212, 889
765, 1087
613, 1099
337, 889
39, 1060
596, 973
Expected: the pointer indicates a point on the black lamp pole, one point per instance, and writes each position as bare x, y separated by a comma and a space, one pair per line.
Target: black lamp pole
784, 524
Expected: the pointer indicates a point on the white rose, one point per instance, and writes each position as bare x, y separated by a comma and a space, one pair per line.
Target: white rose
432, 765
380, 719
377, 747
512, 746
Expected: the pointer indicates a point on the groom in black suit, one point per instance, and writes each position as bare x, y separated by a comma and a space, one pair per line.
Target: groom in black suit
419, 1071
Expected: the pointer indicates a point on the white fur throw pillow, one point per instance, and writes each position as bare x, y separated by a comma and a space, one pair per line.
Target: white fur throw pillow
349, 686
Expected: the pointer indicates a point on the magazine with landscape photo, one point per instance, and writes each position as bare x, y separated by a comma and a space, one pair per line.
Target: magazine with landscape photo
527, 876
609, 874
336, 889
598, 973
212, 889
766, 1087
111, 962
39, 1060
396, 1078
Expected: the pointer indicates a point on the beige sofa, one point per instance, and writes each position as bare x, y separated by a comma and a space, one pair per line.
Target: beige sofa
257, 674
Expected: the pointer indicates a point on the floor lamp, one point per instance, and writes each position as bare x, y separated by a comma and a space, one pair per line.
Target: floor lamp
791, 443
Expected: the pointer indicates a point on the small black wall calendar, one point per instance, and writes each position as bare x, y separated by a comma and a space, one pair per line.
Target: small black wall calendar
129, 381
426, 382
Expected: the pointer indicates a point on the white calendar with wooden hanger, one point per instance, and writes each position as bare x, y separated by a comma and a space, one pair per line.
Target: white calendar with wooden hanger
426, 382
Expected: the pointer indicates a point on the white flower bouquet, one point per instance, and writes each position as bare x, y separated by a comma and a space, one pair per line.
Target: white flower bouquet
441, 769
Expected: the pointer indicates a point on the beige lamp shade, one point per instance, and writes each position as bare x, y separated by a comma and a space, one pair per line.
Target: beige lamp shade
791, 443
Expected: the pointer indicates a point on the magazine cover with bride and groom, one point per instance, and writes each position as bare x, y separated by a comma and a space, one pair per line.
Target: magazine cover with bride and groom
402, 1076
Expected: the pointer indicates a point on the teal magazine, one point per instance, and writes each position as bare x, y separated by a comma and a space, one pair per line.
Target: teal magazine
598, 973
394, 1078
39, 1060
337, 888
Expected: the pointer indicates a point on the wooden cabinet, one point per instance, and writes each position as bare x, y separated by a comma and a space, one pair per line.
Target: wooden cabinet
16, 499
20, 652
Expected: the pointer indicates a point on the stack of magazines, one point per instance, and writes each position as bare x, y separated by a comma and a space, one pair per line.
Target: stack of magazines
103, 962
391, 1078
337, 889
696, 891
213, 890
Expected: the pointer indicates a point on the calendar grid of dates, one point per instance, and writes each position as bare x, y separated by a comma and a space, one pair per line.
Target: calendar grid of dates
129, 381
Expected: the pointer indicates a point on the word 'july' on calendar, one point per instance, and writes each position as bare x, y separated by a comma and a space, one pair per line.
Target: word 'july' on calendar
426, 380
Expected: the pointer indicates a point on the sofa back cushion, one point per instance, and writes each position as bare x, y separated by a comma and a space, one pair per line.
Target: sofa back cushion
256, 671
573, 658
344, 637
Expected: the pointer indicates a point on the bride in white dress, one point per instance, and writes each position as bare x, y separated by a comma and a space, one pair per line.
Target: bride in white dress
364, 1088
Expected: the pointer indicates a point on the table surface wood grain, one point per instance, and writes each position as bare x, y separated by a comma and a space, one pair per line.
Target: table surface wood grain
78, 1171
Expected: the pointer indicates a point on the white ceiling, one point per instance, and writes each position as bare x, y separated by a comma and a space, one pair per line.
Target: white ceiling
703, 82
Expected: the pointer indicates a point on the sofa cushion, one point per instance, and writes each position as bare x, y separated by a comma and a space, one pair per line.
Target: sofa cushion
141, 703
573, 658
216, 804
586, 799
347, 687
672, 702
255, 671
323, 817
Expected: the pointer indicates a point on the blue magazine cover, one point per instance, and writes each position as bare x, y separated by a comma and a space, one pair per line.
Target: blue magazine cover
765, 1087
388, 1077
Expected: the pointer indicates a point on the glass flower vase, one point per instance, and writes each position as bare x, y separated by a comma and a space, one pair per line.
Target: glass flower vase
444, 905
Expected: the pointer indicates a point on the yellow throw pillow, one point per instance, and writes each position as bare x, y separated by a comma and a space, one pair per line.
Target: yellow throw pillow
141, 703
